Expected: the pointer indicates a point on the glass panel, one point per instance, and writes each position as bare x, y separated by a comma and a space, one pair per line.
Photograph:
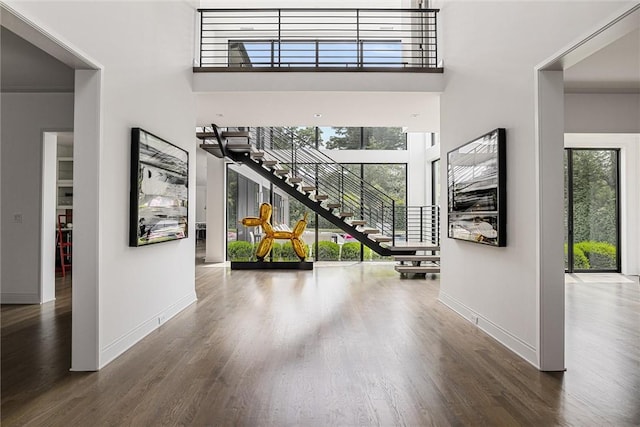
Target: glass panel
382, 54
435, 191
277, 214
297, 54
566, 211
232, 205
250, 54
391, 179
243, 199
310, 53
385, 139
595, 205
344, 138
305, 136
338, 54
340, 138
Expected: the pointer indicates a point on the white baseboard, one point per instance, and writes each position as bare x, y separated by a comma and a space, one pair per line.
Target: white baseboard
125, 342
214, 260
19, 298
504, 337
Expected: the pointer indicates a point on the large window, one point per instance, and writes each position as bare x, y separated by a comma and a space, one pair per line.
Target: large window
315, 53
592, 206
243, 199
326, 241
346, 138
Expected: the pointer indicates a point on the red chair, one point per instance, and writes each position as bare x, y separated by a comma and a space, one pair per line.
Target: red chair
64, 243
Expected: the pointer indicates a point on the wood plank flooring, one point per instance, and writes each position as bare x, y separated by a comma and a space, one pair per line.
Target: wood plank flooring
352, 345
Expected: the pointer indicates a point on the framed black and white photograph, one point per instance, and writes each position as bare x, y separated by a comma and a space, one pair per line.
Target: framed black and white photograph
159, 190
476, 181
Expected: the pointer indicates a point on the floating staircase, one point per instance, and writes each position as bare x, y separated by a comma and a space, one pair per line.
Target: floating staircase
320, 184
419, 264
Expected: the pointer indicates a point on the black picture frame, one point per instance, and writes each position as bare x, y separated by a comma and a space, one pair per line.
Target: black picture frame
159, 190
477, 190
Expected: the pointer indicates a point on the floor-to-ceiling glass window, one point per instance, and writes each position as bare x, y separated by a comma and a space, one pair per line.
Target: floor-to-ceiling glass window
331, 239
243, 199
592, 209
390, 179
435, 182
326, 241
359, 138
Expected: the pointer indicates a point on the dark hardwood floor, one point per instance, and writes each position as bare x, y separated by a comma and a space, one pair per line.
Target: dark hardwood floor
351, 345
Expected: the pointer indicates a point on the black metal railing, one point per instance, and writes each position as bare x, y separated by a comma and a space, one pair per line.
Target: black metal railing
329, 178
421, 224
307, 39
316, 169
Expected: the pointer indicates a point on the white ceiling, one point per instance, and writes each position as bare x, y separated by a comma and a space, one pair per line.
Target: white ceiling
26, 68
613, 69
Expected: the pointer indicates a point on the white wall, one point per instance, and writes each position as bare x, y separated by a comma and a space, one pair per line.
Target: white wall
201, 203
602, 112
489, 80
629, 145
25, 117
146, 51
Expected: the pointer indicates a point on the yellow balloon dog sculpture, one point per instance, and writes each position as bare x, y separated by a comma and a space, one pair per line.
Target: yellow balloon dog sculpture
270, 234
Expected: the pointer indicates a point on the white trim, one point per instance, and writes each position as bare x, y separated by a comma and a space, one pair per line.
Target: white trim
48, 226
629, 146
521, 348
550, 323
608, 31
549, 146
85, 299
41, 37
128, 340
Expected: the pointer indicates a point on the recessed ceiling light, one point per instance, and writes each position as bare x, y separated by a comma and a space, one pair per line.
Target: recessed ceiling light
317, 115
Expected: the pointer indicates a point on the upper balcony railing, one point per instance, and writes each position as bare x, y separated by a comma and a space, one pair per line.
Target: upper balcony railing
318, 40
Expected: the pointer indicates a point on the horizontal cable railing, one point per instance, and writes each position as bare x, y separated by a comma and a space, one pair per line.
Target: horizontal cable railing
420, 224
318, 38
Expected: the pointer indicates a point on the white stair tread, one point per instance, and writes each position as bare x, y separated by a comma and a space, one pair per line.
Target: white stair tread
295, 180
416, 258
417, 269
257, 154
213, 149
370, 231
281, 172
205, 135
412, 246
356, 222
333, 205
345, 214
308, 188
380, 238
321, 197
269, 163
235, 134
